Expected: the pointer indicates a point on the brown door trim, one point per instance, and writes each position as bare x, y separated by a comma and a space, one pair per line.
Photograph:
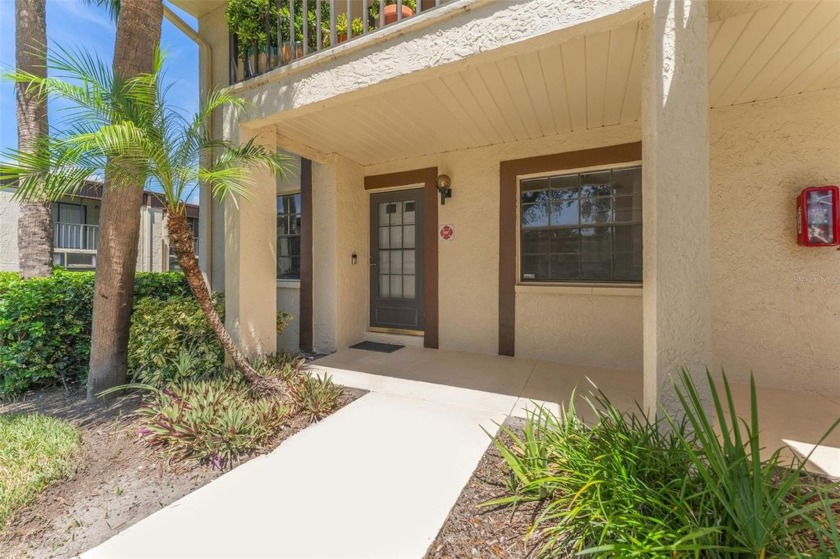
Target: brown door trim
306, 263
509, 171
428, 178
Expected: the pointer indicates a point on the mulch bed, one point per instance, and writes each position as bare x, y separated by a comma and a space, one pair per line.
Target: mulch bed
487, 532
118, 480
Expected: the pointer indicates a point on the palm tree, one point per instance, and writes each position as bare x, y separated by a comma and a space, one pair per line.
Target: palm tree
126, 129
35, 228
138, 37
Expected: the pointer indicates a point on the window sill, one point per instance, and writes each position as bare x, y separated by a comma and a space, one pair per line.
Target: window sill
620, 290
288, 283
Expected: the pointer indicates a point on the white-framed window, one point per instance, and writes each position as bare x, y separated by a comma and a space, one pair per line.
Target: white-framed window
288, 236
582, 227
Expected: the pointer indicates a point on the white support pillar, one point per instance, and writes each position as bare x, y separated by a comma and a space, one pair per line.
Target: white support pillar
675, 159
251, 259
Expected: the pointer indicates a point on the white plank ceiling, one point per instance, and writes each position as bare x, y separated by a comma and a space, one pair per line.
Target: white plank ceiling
588, 82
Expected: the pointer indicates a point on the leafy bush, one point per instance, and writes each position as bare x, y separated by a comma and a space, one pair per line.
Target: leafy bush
214, 420
35, 450
171, 341
626, 486
313, 397
284, 366
45, 325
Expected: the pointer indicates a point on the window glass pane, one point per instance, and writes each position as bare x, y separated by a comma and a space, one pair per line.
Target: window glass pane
535, 215
396, 262
409, 262
384, 262
596, 240
395, 212
408, 287
384, 286
628, 238
628, 209
565, 240
409, 212
396, 237
595, 184
535, 241
408, 236
596, 210
384, 216
595, 266
284, 246
532, 187
627, 181
565, 266
628, 266
384, 237
396, 287
564, 211
534, 268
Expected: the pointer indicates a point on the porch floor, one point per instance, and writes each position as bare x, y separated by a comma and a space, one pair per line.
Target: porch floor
510, 386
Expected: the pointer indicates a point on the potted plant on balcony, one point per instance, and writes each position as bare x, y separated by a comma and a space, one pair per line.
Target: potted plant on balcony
356, 26
246, 22
409, 8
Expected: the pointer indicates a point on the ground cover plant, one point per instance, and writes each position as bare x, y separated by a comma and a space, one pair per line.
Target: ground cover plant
626, 486
45, 325
35, 450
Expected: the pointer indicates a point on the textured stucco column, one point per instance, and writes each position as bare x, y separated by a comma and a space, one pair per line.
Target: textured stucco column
675, 153
250, 259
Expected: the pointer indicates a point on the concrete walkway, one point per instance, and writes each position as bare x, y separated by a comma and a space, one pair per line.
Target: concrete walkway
374, 480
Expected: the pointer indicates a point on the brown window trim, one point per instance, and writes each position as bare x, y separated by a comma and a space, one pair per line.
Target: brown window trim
509, 172
305, 338
427, 177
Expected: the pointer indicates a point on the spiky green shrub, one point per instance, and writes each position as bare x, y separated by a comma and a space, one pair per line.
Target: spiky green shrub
626, 486
764, 508
620, 481
215, 421
312, 396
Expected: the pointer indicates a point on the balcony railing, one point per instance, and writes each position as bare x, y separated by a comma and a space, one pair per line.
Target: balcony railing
76, 236
260, 42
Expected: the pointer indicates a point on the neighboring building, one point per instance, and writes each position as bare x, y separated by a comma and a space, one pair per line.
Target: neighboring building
624, 176
76, 231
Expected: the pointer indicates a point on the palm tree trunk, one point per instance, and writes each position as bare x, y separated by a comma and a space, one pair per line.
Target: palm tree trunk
35, 229
138, 37
182, 243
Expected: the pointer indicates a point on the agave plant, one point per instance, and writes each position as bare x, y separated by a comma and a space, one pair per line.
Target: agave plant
128, 128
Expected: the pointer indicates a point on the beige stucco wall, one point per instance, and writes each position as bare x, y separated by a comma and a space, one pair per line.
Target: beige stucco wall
9, 213
776, 305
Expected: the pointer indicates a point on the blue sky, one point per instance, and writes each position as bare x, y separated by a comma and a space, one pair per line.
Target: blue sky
74, 23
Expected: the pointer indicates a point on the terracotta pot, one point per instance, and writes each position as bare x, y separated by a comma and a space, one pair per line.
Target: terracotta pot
391, 13
341, 38
287, 52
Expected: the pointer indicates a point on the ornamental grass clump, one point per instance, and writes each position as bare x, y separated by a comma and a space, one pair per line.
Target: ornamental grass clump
627, 486
314, 397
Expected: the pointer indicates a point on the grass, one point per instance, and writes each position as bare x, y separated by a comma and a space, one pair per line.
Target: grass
35, 450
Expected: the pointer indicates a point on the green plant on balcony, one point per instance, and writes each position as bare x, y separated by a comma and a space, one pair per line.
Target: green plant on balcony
254, 23
356, 26
390, 13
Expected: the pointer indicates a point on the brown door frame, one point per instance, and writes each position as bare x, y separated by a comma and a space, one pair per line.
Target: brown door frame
428, 178
307, 318
509, 173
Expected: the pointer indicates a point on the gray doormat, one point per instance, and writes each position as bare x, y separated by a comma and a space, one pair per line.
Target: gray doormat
376, 346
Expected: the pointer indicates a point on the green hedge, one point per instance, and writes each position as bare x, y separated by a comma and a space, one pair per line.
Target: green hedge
171, 341
45, 325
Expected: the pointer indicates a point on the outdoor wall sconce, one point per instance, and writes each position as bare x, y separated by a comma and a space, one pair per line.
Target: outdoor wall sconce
444, 184
354, 259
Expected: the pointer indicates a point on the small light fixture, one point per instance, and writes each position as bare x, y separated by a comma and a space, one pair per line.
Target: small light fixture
444, 184
354, 259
